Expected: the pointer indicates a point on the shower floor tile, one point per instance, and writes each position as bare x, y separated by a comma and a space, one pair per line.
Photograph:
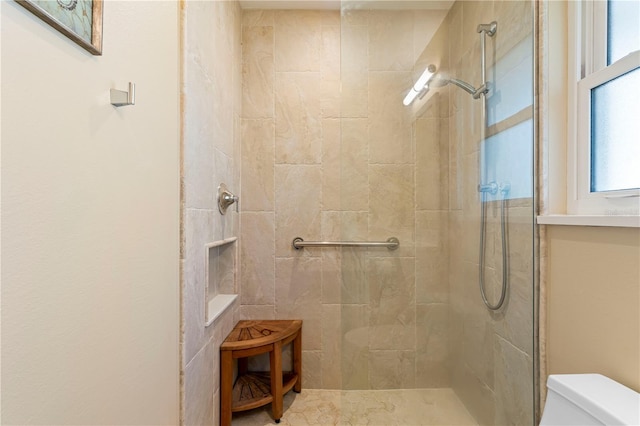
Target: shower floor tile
429, 407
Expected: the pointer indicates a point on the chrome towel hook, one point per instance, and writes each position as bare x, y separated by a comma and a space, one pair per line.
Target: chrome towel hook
121, 98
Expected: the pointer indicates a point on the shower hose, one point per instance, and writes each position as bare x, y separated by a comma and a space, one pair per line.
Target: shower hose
505, 258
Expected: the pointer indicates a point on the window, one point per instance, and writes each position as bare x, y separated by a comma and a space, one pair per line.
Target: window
604, 154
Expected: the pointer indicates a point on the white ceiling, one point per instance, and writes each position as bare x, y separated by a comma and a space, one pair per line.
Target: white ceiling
335, 4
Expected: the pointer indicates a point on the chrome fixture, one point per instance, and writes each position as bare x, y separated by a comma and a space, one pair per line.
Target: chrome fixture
225, 199
441, 80
493, 188
392, 243
421, 87
484, 30
121, 98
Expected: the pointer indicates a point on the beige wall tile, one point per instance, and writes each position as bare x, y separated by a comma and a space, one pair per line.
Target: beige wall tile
477, 346
432, 346
389, 123
392, 369
298, 118
520, 234
455, 167
443, 124
355, 347
330, 99
330, 17
331, 164
471, 199
298, 40
514, 24
298, 296
454, 20
355, 48
312, 369
258, 152
355, 94
331, 346
354, 225
390, 40
258, 72
478, 399
355, 286
473, 14
331, 276
257, 312
429, 188
330, 69
197, 152
354, 152
513, 387
432, 253
221, 329
429, 31
472, 118
257, 17
298, 201
199, 387
515, 321
391, 207
257, 241
354, 14
331, 257
392, 299
330, 53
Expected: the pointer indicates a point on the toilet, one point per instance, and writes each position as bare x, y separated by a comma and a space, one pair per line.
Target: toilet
589, 399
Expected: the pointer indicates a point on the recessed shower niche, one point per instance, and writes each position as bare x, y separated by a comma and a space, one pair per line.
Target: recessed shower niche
220, 266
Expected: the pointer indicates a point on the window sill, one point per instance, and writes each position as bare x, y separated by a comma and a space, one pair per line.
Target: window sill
574, 220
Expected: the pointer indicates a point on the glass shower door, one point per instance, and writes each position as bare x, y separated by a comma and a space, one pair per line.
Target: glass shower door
412, 321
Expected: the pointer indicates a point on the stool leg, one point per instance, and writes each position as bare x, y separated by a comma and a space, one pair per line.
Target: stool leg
297, 361
226, 387
275, 358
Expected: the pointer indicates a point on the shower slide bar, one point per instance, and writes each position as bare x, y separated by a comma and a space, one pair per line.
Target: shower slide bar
391, 243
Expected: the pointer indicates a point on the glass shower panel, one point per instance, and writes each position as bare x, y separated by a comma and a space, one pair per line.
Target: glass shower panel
411, 321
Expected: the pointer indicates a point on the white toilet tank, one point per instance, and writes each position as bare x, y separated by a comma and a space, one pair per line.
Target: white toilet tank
589, 399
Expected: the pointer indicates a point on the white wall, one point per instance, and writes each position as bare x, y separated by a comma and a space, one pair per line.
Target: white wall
90, 221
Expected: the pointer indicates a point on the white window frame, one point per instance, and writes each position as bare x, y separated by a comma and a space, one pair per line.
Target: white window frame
588, 69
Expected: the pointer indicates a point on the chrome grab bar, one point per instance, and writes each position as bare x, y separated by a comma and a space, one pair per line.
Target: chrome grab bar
391, 243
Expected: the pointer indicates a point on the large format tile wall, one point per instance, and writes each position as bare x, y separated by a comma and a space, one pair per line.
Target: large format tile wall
323, 163
491, 353
211, 88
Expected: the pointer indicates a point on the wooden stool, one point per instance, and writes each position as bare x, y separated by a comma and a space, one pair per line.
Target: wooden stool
252, 390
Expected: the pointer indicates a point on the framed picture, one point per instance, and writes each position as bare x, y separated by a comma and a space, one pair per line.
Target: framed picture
80, 20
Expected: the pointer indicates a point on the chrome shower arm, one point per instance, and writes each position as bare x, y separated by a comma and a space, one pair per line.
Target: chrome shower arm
463, 85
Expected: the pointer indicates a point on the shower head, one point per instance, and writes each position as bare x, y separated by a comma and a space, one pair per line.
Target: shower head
429, 79
439, 80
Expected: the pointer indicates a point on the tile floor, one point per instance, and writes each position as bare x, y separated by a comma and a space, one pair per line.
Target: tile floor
406, 407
